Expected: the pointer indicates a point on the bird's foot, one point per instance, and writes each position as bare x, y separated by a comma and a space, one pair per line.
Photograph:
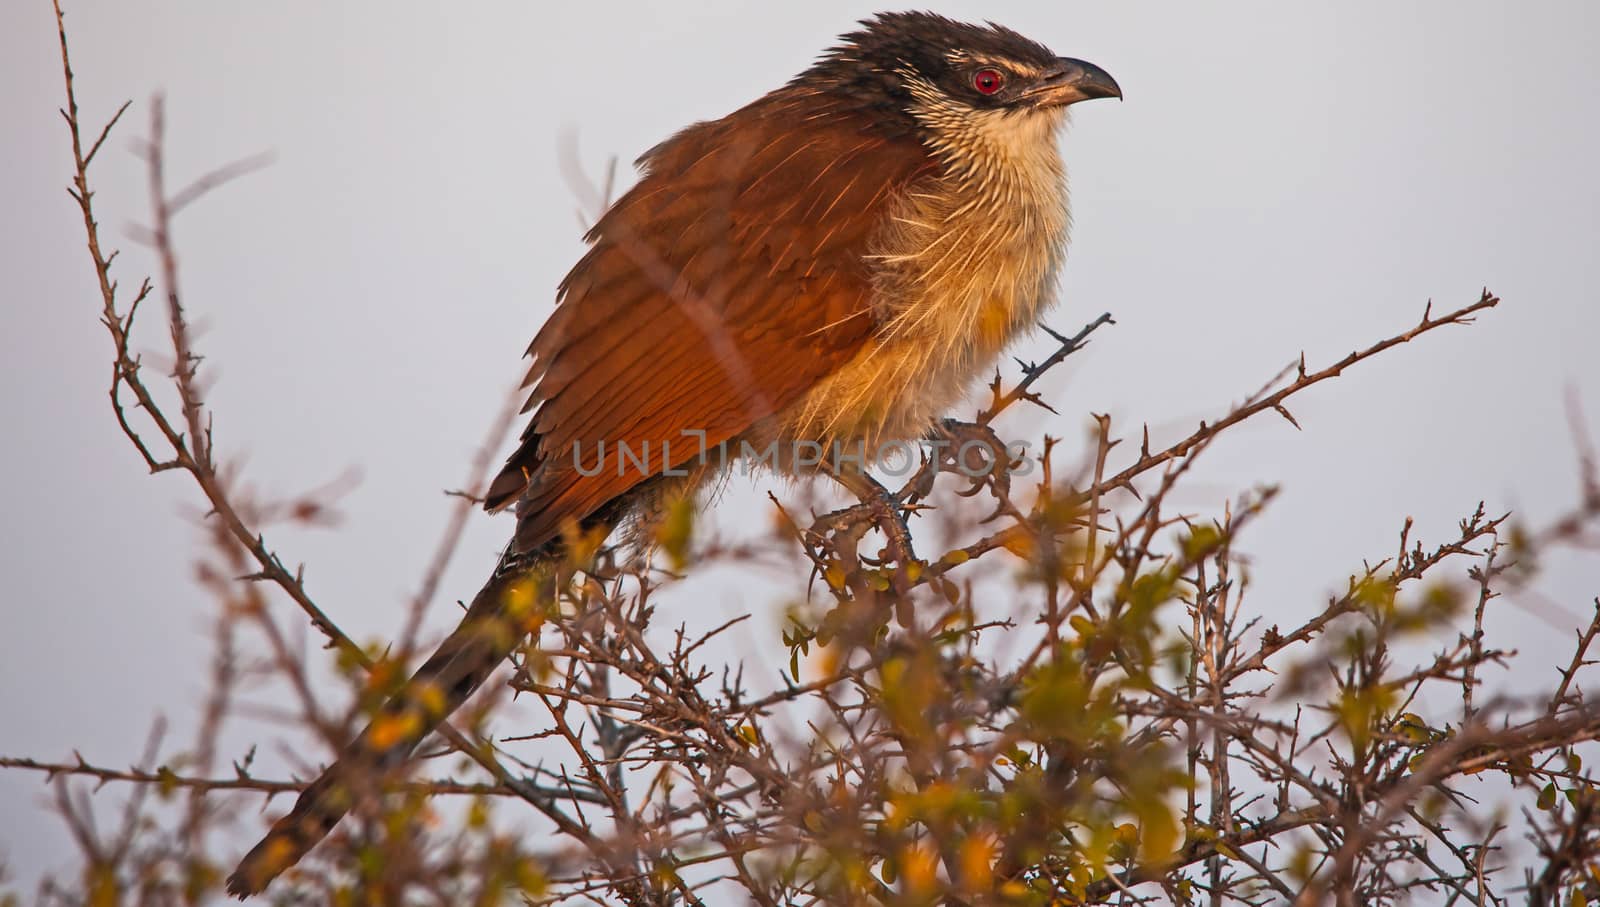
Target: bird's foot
880, 509
974, 450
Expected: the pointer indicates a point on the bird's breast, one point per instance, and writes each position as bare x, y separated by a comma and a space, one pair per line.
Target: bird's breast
964, 264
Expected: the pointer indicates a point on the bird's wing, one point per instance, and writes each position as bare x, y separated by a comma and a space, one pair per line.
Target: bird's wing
717, 291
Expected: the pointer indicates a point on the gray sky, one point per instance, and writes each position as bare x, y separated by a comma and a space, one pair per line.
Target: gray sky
1280, 177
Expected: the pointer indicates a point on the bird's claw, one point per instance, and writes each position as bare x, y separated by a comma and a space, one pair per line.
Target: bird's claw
978, 453
882, 510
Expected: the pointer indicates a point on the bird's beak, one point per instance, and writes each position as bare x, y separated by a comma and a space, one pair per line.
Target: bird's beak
1070, 81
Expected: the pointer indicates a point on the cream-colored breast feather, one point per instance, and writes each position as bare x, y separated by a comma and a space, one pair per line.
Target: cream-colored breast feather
965, 264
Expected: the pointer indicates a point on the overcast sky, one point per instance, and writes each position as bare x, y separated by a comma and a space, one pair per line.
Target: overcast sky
1281, 177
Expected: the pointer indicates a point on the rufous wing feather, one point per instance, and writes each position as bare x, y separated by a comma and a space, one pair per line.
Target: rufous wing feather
716, 292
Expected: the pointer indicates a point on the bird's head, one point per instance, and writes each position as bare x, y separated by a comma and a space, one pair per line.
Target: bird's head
924, 72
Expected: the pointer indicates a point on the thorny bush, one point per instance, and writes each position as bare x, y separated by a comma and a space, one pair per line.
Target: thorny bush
1072, 702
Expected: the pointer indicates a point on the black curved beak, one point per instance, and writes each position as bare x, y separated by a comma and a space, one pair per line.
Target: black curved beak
1070, 81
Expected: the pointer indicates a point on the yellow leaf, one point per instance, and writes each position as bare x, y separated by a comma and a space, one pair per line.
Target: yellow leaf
676, 531
834, 576
977, 862
389, 730
428, 695
519, 598
921, 870
1022, 546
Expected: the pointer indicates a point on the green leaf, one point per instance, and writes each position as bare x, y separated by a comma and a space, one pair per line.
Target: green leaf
1547, 797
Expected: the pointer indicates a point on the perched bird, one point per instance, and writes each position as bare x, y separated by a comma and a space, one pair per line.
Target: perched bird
827, 268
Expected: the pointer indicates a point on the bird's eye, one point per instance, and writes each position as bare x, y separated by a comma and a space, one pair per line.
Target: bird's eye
988, 81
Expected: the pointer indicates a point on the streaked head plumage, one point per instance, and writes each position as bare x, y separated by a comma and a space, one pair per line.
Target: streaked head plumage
896, 62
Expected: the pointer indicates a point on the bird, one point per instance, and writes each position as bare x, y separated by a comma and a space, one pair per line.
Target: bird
828, 268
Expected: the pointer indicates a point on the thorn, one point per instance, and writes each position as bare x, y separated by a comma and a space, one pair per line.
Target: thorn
1037, 400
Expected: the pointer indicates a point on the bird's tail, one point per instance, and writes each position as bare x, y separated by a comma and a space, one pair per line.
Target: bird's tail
511, 604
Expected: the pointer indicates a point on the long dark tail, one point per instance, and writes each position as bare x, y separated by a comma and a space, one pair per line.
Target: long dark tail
505, 609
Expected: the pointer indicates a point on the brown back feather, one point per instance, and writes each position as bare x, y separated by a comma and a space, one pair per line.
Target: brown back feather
717, 291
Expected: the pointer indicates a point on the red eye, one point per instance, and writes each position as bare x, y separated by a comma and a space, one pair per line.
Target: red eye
988, 81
